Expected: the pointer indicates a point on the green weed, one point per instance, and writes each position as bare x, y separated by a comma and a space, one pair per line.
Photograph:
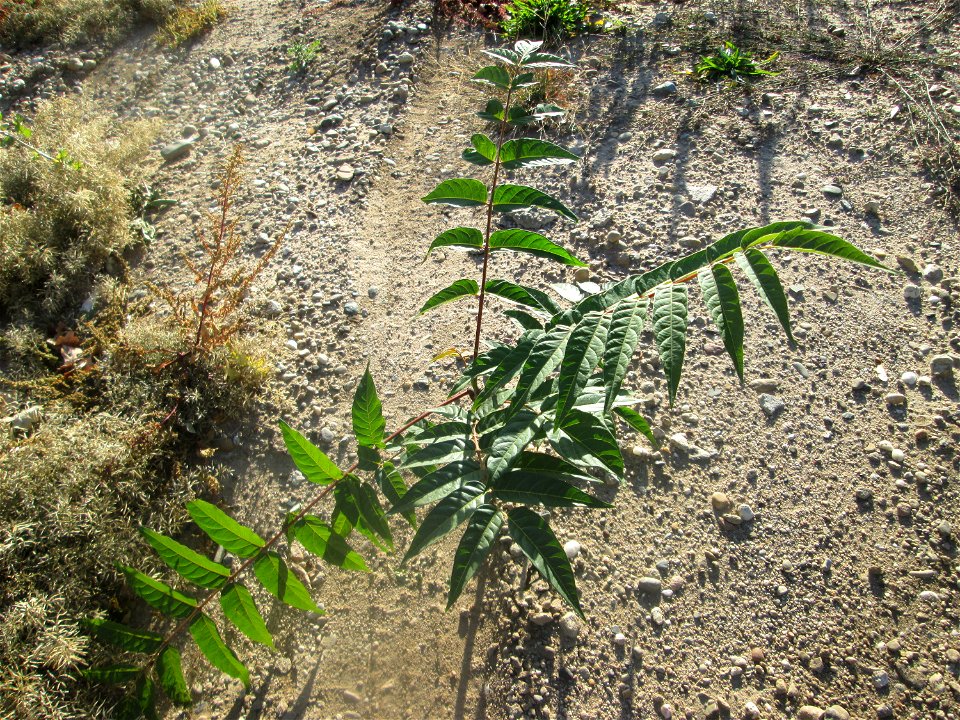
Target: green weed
732, 63
186, 24
548, 20
302, 54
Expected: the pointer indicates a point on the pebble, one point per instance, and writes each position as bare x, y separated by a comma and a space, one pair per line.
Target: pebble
941, 366
929, 596
351, 308
720, 502
572, 549
895, 398
405, 58
346, 172
832, 190
176, 150
666, 88
912, 292
836, 712
746, 513
771, 405
569, 626
809, 712
664, 155
932, 273
649, 585
656, 616
909, 378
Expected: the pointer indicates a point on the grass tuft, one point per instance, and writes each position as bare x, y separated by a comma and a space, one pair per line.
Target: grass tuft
186, 24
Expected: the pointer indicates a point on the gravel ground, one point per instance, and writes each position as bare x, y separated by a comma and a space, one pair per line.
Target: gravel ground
790, 553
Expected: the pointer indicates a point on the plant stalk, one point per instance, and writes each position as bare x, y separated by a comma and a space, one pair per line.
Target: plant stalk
486, 238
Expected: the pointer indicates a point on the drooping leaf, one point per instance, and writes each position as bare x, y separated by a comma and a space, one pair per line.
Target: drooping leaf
764, 279
536, 464
493, 75
493, 111
822, 243
190, 565
459, 192
352, 510
505, 55
207, 637
525, 320
511, 440
522, 295
394, 489
240, 609
372, 514
438, 454
484, 151
723, 303
518, 115
626, 324
582, 354
585, 440
461, 237
158, 594
530, 152
111, 674
474, 547
532, 533
446, 516
367, 412
438, 484
454, 291
308, 458
518, 486
546, 60
533, 243
524, 80
670, 332
453, 430
639, 423
224, 530
517, 197
318, 537
123, 637
170, 675
275, 575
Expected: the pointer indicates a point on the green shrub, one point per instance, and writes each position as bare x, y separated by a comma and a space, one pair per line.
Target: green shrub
548, 20
302, 54
60, 225
74, 22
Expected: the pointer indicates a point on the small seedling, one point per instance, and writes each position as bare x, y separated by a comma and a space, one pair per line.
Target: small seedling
733, 63
302, 55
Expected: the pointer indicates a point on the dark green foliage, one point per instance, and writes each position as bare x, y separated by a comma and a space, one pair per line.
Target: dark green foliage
553, 20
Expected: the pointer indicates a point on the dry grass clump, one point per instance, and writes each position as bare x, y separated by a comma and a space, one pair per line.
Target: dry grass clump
187, 23
74, 22
59, 225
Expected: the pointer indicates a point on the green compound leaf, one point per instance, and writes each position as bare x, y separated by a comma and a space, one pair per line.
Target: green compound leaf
123, 637
446, 516
484, 151
546, 60
454, 291
583, 353
525, 488
670, 332
493, 111
170, 675
511, 440
530, 152
367, 412
520, 116
524, 80
474, 547
188, 564
308, 458
439, 484
532, 243
586, 441
522, 295
516, 197
493, 75
224, 530
639, 423
372, 513
111, 674
240, 609
626, 324
764, 279
460, 237
459, 192
158, 594
525, 320
318, 537
542, 360
532, 533
274, 574
537, 464
508, 365
207, 637
439, 453
723, 303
